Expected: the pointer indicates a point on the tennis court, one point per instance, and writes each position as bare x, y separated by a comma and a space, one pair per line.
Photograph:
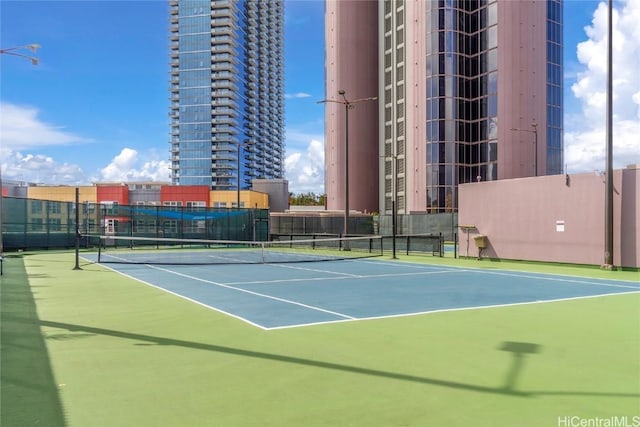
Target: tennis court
281, 295
283, 344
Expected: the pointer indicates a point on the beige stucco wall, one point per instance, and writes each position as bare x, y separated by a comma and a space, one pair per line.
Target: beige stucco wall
523, 218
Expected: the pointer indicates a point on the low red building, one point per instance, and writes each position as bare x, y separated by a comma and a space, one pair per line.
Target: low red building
184, 195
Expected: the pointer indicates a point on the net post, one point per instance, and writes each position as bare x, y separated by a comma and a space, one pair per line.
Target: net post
455, 245
408, 243
394, 221
77, 227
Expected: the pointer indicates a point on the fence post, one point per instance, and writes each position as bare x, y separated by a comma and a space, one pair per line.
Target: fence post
455, 245
77, 230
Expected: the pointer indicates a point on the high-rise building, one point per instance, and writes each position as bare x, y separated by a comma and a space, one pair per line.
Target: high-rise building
351, 65
227, 92
468, 90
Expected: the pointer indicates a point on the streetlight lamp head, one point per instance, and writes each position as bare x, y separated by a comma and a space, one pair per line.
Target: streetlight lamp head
33, 47
341, 92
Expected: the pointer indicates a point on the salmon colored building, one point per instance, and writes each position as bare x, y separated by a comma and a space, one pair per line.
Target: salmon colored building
113, 193
185, 195
467, 91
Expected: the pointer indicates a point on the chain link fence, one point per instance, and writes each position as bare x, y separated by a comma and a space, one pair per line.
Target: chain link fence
30, 224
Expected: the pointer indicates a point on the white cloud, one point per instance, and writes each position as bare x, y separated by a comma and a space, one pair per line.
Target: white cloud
297, 95
585, 136
123, 168
21, 128
305, 170
39, 168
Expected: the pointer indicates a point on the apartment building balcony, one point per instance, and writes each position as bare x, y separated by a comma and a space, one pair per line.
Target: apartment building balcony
222, 12
227, 165
222, 48
227, 121
223, 103
222, 66
223, 84
224, 110
221, 30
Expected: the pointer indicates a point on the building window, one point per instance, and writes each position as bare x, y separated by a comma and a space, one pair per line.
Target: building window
55, 224
53, 207
170, 226
36, 207
36, 224
198, 204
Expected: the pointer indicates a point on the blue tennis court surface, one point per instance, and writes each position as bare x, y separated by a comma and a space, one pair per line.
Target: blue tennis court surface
273, 296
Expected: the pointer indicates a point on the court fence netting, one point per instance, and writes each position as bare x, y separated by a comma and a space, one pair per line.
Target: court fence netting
43, 224
33, 224
169, 251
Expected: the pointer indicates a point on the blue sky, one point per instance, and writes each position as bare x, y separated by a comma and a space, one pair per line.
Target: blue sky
96, 108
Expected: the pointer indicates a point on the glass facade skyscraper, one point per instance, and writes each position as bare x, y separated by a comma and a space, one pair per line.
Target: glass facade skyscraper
227, 92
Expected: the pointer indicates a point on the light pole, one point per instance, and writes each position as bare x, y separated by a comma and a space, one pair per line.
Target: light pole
534, 130
14, 51
608, 209
348, 105
34, 61
394, 206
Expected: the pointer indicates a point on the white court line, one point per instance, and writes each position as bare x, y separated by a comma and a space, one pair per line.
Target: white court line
444, 310
560, 279
315, 279
315, 270
235, 316
515, 273
408, 264
252, 293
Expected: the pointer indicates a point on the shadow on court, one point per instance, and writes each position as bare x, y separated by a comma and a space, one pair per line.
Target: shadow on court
519, 351
28, 392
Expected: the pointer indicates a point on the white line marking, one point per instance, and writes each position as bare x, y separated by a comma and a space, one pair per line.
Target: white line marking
252, 293
444, 310
315, 279
484, 270
559, 279
235, 316
315, 270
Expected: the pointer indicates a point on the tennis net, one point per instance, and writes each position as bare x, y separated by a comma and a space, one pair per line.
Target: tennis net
169, 251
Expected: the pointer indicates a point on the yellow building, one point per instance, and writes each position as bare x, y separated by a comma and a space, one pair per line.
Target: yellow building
229, 199
62, 193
